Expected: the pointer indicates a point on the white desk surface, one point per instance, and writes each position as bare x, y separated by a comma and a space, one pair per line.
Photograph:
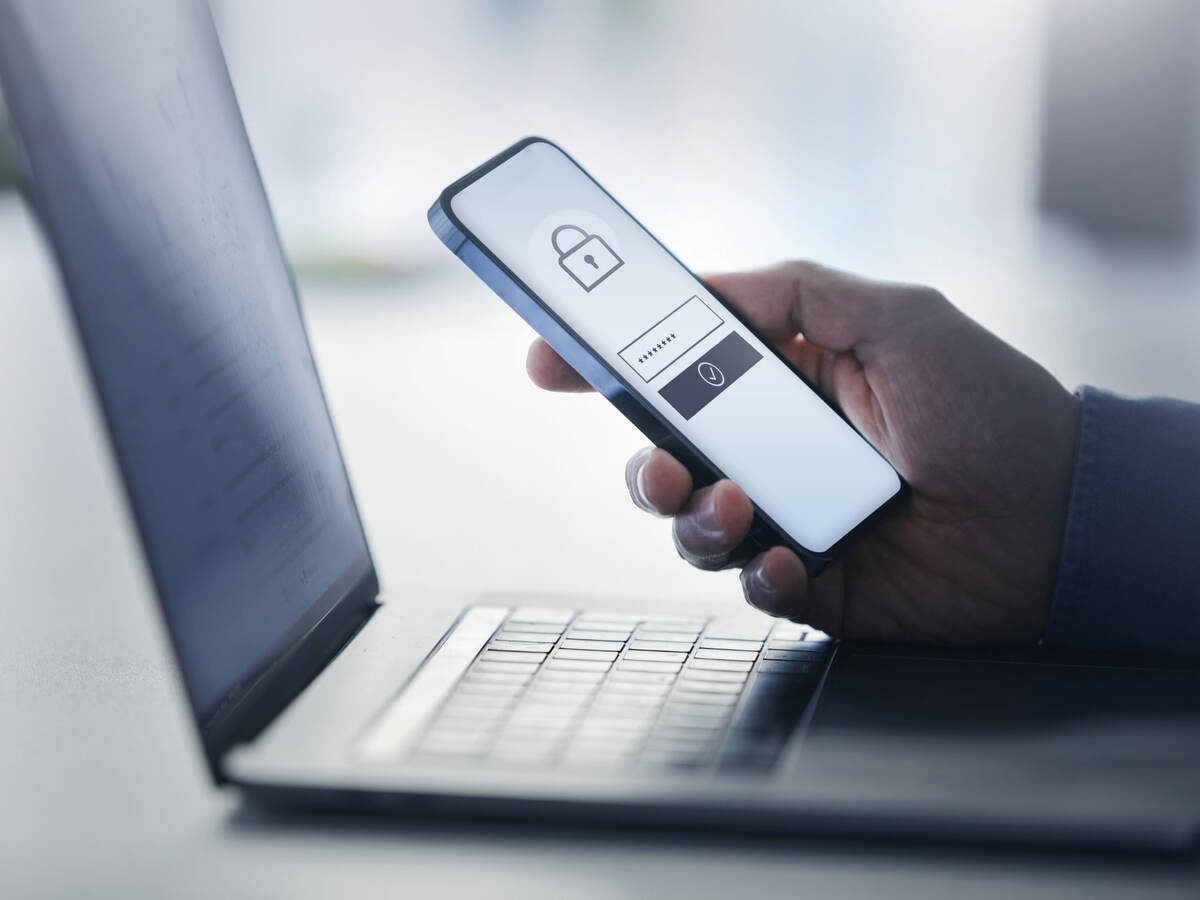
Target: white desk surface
467, 478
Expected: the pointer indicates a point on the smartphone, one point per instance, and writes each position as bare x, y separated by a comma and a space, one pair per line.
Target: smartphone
665, 349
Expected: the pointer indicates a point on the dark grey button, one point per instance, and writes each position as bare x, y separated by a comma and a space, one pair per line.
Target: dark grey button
691, 390
780, 667
797, 655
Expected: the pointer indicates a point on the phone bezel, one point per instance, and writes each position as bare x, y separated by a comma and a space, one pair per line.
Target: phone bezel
835, 550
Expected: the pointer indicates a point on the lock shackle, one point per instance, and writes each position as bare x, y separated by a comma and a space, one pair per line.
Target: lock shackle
561, 228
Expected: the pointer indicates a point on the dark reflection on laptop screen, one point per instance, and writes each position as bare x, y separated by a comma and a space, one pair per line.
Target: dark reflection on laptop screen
145, 180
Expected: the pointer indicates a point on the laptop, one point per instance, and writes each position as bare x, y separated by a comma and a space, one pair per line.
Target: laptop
309, 688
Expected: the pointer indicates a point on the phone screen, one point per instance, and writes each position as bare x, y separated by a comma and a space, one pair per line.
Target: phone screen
674, 343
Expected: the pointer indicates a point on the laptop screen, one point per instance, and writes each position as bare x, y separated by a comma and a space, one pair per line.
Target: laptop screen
144, 180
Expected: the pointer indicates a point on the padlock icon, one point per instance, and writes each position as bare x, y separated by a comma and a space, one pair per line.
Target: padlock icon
587, 258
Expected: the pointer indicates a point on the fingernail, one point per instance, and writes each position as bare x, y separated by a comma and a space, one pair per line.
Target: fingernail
760, 592
635, 480
702, 522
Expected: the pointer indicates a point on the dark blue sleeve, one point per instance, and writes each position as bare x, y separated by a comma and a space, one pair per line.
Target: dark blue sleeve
1129, 575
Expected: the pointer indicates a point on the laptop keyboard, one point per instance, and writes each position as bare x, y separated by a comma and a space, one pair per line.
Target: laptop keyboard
600, 691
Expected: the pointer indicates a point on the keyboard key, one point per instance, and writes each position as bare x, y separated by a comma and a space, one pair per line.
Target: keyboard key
796, 658
600, 756
655, 656
622, 737
560, 704
535, 636
636, 665
477, 677
586, 634
694, 725
558, 675
705, 686
788, 631
596, 655
492, 688
577, 665
472, 701
696, 710
738, 655
548, 689
551, 703
711, 698
776, 644
475, 704
618, 737
683, 745
630, 688
534, 627
541, 734
589, 751
730, 644
682, 739
542, 724
672, 646
549, 716
617, 725
671, 623
521, 646
692, 676
741, 631
576, 644
720, 665
512, 656
617, 703
808, 654
655, 675
678, 637
489, 665
613, 745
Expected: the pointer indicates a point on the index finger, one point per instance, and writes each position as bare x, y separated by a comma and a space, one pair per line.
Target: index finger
548, 370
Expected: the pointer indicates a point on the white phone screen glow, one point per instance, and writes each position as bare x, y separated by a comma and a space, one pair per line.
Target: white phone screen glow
676, 345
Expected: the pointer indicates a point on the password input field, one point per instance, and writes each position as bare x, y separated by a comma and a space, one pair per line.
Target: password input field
651, 352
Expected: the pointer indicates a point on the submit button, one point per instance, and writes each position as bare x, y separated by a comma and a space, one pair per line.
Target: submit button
693, 389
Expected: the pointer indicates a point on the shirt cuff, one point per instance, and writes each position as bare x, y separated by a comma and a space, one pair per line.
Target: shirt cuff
1129, 574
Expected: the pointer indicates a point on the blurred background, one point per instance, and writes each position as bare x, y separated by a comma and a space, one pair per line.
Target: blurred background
1036, 160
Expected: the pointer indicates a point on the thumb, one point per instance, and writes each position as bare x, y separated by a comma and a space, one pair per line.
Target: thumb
834, 310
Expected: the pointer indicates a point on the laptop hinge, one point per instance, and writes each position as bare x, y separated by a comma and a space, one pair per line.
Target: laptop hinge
275, 688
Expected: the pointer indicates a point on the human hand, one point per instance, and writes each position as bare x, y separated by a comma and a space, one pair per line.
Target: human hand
984, 436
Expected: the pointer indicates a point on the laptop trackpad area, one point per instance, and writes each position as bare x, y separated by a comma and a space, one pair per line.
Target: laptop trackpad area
1000, 737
